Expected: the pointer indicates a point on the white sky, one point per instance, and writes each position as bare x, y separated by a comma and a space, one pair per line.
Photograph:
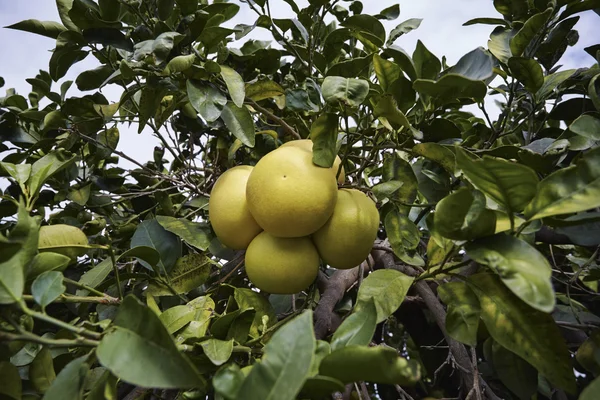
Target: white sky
23, 54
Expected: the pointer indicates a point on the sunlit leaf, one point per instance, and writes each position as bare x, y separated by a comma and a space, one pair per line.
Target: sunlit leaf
525, 331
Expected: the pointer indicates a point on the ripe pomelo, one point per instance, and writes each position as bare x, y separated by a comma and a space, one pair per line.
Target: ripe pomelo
228, 210
307, 144
288, 195
281, 265
347, 237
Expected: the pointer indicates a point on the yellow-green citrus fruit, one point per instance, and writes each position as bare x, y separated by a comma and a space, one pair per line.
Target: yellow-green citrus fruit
288, 195
228, 210
281, 265
307, 144
347, 237
63, 239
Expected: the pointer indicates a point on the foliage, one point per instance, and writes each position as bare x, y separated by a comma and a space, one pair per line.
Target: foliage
500, 217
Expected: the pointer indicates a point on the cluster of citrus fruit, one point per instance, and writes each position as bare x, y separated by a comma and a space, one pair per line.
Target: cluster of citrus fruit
288, 213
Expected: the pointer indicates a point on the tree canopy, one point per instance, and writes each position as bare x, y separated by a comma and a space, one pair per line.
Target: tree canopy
482, 283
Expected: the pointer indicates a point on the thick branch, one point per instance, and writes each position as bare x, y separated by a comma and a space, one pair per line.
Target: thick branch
332, 291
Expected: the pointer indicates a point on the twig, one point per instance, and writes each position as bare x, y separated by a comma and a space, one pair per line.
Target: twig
30, 337
284, 125
63, 298
403, 393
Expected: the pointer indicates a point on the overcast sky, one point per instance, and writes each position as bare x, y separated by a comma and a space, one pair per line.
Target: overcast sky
23, 54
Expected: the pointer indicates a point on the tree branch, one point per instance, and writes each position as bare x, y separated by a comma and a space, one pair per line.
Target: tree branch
332, 291
284, 125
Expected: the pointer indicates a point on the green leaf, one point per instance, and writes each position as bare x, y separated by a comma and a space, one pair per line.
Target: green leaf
509, 184
531, 28
217, 351
463, 310
285, 363
323, 133
386, 288
207, 100
438, 153
357, 329
499, 43
95, 276
514, 372
248, 299
390, 13
368, 24
525, 331
586, 126
551, 82
239, 122
388, 113
41, 370
403, 60
139, 335
111, 37
20, 172
64, 6
228, 380
264, 89
350, 91
591, 391
12, 387
463, 215
63, 58
235, 85
387, 72
569, 190
397, 169
187, 6
16, 254
575, 7
81, 195
319, 386
402, 233
475, 65
451, 87
193, 233
47, 261
144, 253
593, 91
189, 272
373, 364
524, 270
69, 383
427, 65
149, 233
45, 167
47, 287
177, 317
486, 21
528, 72
49, 29
402, 28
